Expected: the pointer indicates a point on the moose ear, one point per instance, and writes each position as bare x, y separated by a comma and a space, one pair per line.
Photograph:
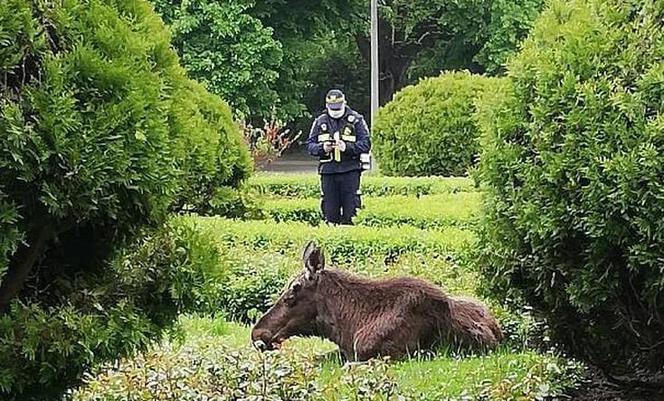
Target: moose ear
313, 258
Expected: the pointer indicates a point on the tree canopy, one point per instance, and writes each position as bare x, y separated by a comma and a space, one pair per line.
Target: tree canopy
271, 54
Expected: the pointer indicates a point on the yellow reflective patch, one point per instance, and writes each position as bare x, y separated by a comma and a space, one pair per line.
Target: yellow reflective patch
349, 138
324, 137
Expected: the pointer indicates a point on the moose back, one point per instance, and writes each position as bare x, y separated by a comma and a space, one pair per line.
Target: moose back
369, 318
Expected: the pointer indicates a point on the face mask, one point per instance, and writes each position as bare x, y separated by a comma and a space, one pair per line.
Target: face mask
336, 113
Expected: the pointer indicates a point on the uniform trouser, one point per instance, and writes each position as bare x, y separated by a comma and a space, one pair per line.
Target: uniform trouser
340, 196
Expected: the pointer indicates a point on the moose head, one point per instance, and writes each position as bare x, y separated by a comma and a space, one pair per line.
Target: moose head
296, 311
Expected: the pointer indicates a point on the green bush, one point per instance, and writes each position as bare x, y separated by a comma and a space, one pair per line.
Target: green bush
429, 129
211, 158
308, 185
427, 212
573, 166
115, 310
101, 136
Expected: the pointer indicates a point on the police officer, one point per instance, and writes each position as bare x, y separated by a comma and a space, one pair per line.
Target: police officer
339, 137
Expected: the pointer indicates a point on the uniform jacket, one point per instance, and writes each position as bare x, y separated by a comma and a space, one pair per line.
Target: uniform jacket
352, 129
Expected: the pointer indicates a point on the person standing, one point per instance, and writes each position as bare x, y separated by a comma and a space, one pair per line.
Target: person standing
340, 139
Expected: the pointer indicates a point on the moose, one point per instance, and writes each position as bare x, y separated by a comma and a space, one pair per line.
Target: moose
370, 318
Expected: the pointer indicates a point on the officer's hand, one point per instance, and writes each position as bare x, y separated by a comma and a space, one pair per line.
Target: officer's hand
328, 147
341, 145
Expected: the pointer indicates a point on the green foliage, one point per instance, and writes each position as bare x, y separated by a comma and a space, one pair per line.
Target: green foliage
211, 155
348, 244
337, 64
101, 136
252, 282
429, 128
206, 371
480, 36
428, 211
216, 361
508, 24
573, 166
308, 185
228, 50
309, 33
115, 310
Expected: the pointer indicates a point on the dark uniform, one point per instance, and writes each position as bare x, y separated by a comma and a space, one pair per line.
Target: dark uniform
340, 171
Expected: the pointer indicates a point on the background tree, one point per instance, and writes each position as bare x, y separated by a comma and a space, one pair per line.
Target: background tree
422, 38
228, 50
417, 39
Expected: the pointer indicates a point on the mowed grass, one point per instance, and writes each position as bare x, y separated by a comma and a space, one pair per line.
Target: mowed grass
415, 227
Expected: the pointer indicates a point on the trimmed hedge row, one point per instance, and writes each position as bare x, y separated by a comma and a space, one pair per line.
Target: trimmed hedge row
254, 278
258, 258
308, 185
343, 244
427, 212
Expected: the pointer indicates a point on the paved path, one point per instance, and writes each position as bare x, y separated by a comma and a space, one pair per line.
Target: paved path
297, 161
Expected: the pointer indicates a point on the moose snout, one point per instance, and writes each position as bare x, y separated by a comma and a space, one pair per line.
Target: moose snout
260, 345
260, 339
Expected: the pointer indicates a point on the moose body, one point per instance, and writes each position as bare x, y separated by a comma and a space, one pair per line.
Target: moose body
369, 318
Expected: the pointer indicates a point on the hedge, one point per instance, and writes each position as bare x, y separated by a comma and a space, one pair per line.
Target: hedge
426, 212
429, 128
349, 243
257, 258
308, 185
573, 166
102, 137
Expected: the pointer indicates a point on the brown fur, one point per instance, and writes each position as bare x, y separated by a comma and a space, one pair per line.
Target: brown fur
368, 318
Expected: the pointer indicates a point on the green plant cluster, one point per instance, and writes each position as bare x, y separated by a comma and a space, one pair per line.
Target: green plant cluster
207, 371
252, 281
215, 362
102, 136
426, 212
429, 128
118, 308
573, 167
308, 185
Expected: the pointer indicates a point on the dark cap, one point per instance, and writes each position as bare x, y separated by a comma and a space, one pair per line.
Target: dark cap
335, 99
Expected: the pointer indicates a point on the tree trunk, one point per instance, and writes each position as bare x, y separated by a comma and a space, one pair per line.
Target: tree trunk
24, 260
394, 61
392, 77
